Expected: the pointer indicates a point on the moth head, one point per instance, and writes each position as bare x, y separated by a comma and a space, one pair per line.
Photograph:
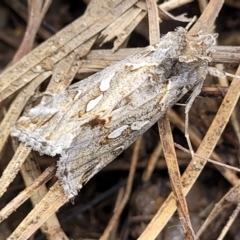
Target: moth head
198, 47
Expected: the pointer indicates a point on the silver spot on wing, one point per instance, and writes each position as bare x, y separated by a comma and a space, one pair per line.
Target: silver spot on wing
105, 83
93, 103
138, 125
116, 133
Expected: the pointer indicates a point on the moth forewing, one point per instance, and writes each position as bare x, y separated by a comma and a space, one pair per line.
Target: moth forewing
94, 120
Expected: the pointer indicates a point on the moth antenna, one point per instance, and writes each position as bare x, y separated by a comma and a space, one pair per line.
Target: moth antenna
231, 75
213, 71
207, 159
195, 93
191, 22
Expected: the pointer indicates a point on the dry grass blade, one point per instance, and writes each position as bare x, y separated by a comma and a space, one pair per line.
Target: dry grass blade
27, 192
54, 199
175, 177
66, 69
208, 17
152, 163
60, 45
232, 218
232, 196
13, 168
30, 172
126, 24
174, 4
225, 166
153, 21
97, 60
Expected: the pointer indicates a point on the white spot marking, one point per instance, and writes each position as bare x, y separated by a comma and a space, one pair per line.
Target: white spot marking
116, 133
93, 103
118, 150
140, 65
105, 83
77, 95
121, 148
138, 125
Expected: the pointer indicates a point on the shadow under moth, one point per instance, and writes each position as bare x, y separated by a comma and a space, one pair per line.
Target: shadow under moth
91, 122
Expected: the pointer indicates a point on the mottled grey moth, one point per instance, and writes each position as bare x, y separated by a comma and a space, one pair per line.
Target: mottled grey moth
93, 121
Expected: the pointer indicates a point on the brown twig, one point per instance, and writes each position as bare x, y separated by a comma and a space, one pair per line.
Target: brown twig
37, 11
175, 177
208, 17
153, 21
232, 196
152, 163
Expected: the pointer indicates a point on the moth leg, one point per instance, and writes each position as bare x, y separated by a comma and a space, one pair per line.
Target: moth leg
38, 95
195, 93
187, 134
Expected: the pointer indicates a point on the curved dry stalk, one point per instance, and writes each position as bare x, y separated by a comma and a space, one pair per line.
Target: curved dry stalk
37, 11
157, 152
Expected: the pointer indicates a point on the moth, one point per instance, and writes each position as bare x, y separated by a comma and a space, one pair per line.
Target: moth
90, 123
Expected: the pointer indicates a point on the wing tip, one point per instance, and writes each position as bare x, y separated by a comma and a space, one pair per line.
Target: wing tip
36, 142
